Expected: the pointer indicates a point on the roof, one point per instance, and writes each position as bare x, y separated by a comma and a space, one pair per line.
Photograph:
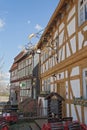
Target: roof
56, 95
20, 55
16, 59
13, 67
52, 19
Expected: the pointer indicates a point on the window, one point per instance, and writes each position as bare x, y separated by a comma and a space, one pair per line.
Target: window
46, 85
49, 84
86, 11
81, 15
25, 93
85, 73
85, 83
82, 11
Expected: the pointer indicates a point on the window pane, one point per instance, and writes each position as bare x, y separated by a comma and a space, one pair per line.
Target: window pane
81, 15
81, 2
86, 11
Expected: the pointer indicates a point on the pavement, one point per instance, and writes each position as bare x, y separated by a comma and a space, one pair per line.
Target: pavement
22, 126
40, 122
36, 124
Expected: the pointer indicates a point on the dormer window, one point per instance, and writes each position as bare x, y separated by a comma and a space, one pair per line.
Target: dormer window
82, 11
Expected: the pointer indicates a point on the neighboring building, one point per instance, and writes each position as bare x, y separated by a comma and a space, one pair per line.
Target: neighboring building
3, 101
24, 77
63, 57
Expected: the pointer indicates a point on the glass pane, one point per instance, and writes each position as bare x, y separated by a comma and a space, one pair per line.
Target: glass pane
86, 11
81, 15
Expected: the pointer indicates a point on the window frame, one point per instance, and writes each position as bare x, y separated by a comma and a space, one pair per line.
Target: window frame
82, 15
85, 83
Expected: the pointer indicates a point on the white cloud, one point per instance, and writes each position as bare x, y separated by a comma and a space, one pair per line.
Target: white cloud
3, 81
2, 23
28, 21
4, 75
38, 27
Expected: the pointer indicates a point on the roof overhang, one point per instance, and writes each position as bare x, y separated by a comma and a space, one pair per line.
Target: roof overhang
52, 20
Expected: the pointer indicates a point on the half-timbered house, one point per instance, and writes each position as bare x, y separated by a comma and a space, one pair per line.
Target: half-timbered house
63, 58
24, 81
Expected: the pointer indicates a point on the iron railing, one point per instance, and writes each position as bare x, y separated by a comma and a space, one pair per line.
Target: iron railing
38, 112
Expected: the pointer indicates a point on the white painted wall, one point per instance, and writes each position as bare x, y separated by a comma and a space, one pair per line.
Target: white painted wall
73, 112
62, 75
55, 34
80, 40
85, 28
66, 74
75, 84
73, 44
52, 87
75, 71
85, 111
61, 36
71, 13
61, 26
59, 58
71, 27
63, 53
44, 105
67, 108
67, 50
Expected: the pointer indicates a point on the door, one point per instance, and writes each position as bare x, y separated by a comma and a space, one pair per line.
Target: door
62, 92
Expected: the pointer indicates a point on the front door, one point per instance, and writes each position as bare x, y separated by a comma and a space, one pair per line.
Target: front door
62, 92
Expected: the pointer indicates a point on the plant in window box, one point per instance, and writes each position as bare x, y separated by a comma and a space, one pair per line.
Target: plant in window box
85, 101
78, 101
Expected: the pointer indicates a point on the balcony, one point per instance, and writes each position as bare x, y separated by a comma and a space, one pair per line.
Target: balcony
80, 101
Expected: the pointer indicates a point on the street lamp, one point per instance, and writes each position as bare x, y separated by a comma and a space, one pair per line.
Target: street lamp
44, 39
36, 35
33, 49
39, 35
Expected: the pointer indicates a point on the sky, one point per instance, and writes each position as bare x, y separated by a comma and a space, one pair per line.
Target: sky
18, 19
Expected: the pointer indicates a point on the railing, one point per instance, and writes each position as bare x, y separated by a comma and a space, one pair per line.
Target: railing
42, 111
39, 112
80, 101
